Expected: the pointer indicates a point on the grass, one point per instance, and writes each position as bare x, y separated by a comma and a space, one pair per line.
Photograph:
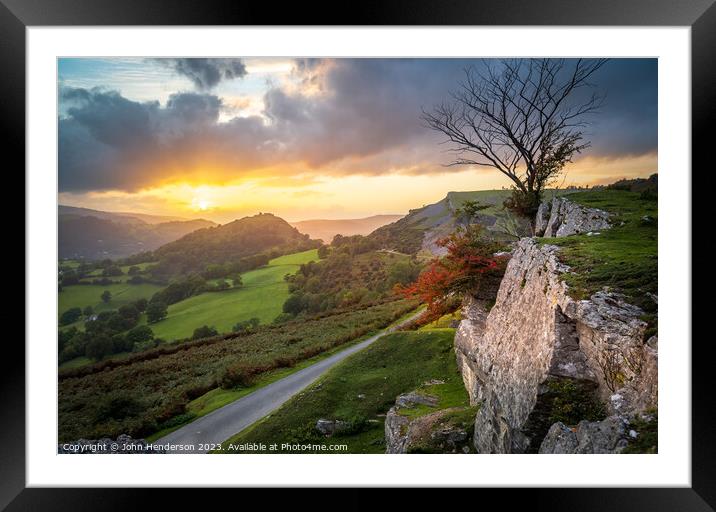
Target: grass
147, 391
360, 391
262, 296
81, 295
219, 397
442, 322
623, 258
647, 429
97, 273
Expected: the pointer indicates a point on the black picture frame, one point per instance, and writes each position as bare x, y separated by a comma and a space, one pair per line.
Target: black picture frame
700, 15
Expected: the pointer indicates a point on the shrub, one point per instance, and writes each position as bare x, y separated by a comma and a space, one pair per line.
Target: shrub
140, 334
117, 405
523, 204
204, 332
469, 265
140, 305
99, 347
246, 325
70, 316
156, 311
239, 374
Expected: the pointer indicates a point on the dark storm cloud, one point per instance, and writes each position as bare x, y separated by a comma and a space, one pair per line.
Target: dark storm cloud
347, 116
627, 123
206, 73
109, 142
369, 106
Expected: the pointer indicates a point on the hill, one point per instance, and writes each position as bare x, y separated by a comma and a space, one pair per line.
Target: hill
418, 232
260, 234
108, 236
122, 217
326, 229
261, 296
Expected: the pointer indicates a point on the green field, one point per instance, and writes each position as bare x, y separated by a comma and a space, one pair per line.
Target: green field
262, 296
362, 389
81, 295
97, 274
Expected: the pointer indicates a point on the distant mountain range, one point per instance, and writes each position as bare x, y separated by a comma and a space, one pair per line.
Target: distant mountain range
95, 234
123, 217
326, 229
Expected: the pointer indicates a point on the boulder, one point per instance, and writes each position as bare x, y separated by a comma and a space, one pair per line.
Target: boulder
413, 398
606, 436
329, 427
436, 432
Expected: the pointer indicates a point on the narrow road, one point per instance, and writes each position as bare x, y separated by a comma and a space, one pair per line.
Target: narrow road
221, 424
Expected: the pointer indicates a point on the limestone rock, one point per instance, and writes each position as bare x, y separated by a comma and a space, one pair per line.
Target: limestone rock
432, 433
329, 427
536, 332
569, 218
412, 399
606, 436
542, 219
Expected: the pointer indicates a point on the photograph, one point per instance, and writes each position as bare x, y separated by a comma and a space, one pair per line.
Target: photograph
357, 255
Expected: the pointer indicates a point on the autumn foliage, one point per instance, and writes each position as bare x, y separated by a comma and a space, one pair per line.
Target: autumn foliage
470, 264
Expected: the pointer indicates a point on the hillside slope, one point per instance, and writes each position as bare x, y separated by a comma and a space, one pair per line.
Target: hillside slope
261, 296
122, 217
418, 232
92, 238
228, 242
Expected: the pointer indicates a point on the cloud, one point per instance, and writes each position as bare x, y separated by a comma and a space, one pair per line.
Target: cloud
107, 142
206, 73
334, 117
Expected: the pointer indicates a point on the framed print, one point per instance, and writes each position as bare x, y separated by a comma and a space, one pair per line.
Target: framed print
437, 246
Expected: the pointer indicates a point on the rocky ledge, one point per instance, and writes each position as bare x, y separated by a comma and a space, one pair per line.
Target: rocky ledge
440, 431
562, 217
536, 349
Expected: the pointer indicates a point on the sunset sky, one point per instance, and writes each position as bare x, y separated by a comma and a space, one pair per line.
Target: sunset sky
301, 138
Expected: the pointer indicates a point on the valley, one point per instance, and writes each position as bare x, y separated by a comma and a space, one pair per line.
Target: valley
261, 296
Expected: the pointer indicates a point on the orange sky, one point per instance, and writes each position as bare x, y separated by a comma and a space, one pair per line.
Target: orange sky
335, 197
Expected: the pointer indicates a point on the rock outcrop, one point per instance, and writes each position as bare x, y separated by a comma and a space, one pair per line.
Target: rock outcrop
442, 431
562, 217
607, 436
536, 335
330, 427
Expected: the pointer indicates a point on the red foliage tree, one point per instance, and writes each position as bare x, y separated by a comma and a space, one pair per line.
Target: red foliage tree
469, 264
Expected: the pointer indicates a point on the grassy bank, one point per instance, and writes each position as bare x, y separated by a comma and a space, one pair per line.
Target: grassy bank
624, 257
361, 390
147, 391
219, 397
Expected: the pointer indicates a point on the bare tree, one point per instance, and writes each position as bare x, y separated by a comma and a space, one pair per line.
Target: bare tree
521, 117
